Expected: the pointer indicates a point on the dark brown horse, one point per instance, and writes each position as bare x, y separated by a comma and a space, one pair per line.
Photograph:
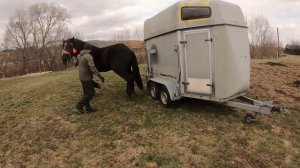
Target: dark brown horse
118, 58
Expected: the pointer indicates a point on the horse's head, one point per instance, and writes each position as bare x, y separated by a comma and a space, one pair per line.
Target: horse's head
68, 50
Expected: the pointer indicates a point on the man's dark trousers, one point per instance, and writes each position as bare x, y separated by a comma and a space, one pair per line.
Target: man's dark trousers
88, 94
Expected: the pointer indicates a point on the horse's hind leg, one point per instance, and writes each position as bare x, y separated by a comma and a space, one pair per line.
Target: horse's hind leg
129, 79
133, 79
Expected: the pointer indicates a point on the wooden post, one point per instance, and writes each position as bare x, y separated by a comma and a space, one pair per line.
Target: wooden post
278, 47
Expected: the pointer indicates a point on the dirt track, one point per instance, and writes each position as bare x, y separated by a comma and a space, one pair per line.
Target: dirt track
278, 80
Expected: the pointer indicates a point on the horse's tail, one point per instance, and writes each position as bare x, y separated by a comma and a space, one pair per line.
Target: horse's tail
136, 72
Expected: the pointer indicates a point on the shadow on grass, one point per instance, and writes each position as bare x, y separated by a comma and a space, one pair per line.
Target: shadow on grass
207, 108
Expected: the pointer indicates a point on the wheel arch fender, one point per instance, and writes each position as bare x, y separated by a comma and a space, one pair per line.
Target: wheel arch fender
171, 86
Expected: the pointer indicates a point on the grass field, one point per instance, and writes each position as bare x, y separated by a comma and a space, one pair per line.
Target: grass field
39, 128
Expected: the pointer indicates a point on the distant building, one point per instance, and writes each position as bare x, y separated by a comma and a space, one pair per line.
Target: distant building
292, 49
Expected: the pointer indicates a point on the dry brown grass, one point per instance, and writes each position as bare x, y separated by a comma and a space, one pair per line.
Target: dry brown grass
39, 128
274, 79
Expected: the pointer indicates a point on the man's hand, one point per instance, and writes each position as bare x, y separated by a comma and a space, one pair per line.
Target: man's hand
96, 85
101, 78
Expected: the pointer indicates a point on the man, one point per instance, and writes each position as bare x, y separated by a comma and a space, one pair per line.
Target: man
86, 70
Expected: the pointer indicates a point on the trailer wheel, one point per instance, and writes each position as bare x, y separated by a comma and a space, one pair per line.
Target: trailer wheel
153, 90
249, 118
165, 97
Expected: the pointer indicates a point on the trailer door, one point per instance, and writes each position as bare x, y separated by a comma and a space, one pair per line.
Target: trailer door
197, 51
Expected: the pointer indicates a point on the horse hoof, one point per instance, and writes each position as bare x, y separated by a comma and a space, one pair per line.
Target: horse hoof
129, 94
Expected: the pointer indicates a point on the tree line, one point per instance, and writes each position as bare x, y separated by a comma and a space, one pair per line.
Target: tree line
33, 37
262, 37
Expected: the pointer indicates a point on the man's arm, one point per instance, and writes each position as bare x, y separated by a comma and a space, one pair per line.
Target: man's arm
92, 66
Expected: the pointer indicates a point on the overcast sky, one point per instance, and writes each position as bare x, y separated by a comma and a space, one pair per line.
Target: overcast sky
98, 18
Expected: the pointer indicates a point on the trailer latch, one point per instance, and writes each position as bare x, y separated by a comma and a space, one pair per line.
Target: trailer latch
211, 40
183, 42
210, 85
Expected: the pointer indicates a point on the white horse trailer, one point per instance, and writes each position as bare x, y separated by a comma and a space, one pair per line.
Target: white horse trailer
200, 49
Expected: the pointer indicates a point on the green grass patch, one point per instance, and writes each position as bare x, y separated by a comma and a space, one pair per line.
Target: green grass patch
160, 160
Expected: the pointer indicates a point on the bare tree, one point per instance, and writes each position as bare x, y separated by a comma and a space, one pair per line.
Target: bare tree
48, 23
35, 35
262, 37
17, 35
138, 33
121, 35
77, 34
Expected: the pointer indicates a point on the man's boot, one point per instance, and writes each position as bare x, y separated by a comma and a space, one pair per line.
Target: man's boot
89, 109
79, 108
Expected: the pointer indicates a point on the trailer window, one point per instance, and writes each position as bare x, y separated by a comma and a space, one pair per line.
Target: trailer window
195, 12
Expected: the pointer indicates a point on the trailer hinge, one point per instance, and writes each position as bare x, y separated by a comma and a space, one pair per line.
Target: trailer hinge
211, 40
183, 42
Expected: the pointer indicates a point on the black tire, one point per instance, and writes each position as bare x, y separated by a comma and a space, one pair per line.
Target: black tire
153, 89
249, 118
164, 97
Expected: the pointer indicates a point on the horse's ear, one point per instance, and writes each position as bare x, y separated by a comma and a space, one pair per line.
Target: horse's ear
73, 38
64, 41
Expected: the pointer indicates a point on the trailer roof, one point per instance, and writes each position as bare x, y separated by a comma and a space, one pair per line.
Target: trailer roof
170, 19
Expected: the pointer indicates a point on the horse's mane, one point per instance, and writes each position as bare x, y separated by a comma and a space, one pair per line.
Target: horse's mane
82, 43
79, 44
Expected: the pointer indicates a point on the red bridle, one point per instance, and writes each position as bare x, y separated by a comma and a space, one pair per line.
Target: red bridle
74, 51
65, 52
